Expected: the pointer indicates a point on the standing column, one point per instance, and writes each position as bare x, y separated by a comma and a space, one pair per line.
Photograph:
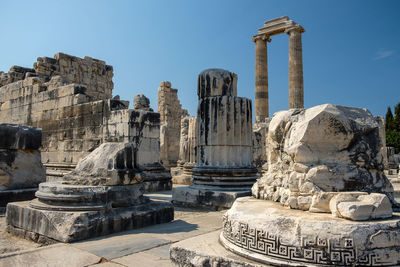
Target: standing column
261, 78
296, 90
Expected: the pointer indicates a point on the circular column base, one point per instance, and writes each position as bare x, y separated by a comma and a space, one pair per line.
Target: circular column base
267, 232
224, 179
59, 196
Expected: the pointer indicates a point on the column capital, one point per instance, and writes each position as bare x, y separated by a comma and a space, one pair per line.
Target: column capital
293, 28
261, 37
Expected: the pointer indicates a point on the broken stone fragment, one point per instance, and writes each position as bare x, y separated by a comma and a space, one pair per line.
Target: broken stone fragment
20, 159
141, 102
360, 206
109, 164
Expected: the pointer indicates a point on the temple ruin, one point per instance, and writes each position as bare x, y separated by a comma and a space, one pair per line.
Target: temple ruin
70, 99
182, 174
326, 166
171, 113
224, 160
296, 90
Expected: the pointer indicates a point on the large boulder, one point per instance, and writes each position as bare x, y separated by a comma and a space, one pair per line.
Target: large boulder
317, 152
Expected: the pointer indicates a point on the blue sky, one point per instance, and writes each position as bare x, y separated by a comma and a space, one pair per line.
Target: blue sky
351, 49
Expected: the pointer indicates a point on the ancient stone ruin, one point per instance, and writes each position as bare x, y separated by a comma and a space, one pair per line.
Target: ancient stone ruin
171, 113
70, 99
103, 195
223, 169
325, 164
260, 147
296, 91
323, 149
21, 168
182, 174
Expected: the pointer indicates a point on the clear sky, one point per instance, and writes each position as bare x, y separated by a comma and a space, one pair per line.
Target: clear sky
351, 49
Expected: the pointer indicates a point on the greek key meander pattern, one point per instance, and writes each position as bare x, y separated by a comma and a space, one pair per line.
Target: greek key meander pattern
316, 251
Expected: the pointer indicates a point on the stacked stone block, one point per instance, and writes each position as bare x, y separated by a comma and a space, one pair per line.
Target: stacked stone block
171, 112
21, 169
141, 127
68, 97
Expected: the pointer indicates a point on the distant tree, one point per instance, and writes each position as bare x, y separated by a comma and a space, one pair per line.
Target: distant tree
392, 126
396, 120
389, 119
393, 139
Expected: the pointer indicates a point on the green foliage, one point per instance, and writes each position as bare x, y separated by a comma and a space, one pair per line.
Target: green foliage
389, 120
393, 139
392, 126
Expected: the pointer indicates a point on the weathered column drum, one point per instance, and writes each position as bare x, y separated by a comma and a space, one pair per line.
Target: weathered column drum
224, 149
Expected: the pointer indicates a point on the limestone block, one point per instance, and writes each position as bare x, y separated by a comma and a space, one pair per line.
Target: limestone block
171, 112
20, 137
141, 102
20, 169
359, 206
320, 201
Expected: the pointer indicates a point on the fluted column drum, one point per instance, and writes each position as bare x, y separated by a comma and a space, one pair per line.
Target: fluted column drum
224, 131
188, 142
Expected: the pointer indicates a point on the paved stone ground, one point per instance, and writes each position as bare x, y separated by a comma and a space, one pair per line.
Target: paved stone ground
147, 246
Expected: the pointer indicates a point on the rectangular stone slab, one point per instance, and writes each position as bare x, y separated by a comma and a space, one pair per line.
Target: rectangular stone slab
187, 196
72, 226
7, 196
56, 255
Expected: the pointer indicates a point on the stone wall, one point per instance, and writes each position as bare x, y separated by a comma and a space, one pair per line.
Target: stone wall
68, 97
140, 127
171, 112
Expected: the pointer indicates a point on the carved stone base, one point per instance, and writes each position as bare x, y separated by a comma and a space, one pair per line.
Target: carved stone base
181, 175
202, 197
157, 180
269, 233
70, 226
206, 250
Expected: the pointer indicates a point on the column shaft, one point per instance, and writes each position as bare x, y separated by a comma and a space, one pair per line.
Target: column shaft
261, 78
296, 90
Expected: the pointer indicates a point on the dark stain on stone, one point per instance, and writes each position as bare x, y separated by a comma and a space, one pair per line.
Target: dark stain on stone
8, 156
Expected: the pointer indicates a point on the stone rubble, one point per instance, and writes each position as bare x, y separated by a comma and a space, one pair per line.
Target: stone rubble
326, 148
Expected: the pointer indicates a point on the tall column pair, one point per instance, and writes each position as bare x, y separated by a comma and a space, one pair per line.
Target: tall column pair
296, 90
